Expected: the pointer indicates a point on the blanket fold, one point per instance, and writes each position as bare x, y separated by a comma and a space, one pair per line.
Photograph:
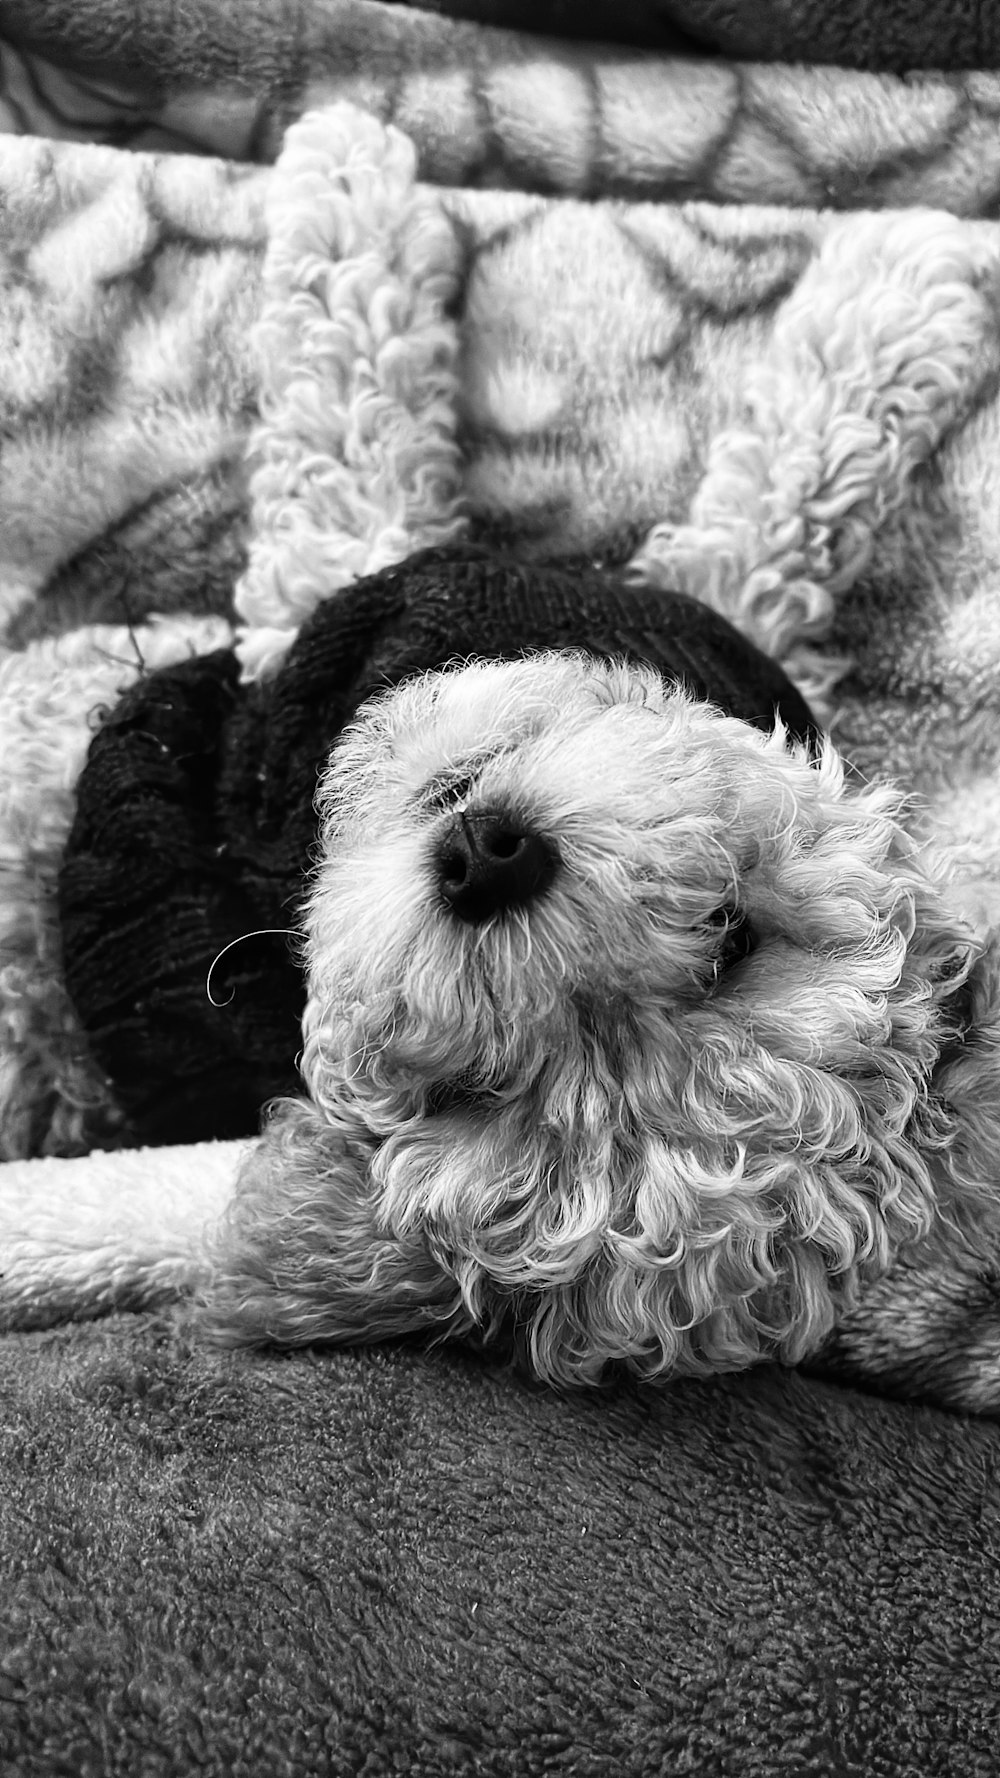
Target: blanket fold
874, 34
771, 120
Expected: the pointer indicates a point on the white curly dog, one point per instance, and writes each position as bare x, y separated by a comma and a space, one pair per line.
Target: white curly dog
633, 1034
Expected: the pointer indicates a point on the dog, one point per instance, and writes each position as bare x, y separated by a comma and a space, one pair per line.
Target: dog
636, 1039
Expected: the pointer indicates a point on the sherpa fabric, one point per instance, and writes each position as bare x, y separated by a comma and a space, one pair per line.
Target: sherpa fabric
314, 1567
488, 106
194, 824
129, 1233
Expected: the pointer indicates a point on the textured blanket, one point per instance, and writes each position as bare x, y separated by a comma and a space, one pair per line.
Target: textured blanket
229, 393
226, 390
384, 1564
487, 105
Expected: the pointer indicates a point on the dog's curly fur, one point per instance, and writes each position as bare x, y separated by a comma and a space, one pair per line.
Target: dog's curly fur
674, 1110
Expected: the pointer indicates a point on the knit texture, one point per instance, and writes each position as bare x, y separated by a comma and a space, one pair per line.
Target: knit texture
194, 822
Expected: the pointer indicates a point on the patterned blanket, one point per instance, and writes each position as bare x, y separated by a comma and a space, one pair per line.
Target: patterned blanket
731, 324
842, 106
791, 414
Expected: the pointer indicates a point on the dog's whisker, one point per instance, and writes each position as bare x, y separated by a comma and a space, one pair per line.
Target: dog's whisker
258, 932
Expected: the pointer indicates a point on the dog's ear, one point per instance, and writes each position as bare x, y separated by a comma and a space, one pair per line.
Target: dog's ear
965, 1088
299, 1255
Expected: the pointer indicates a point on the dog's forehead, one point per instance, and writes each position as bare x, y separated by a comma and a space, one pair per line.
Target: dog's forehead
549, 714
567, 727
541, 690
496, 704
561, 724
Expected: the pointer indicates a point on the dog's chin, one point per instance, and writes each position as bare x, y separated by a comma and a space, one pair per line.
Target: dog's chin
620, 1322
600, 1249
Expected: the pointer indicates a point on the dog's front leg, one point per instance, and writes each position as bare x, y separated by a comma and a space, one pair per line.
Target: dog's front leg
301, 1255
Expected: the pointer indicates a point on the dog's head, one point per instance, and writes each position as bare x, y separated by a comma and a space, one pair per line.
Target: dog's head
622, 1017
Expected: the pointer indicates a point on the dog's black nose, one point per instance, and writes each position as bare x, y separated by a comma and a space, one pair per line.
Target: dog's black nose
488, 861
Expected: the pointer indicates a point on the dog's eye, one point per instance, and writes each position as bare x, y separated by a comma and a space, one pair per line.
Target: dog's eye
735, 936
456, 782
446, 790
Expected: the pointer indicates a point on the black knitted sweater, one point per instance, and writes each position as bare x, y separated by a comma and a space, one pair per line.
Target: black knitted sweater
195, 822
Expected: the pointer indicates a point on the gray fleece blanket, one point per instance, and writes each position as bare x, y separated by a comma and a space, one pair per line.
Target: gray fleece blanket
384, 1563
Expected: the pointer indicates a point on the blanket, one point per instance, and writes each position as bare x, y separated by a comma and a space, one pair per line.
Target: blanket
728, 326
886, 105
385, 1563
229, 393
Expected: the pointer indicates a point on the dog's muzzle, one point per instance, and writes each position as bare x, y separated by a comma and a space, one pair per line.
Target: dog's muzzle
488, 861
